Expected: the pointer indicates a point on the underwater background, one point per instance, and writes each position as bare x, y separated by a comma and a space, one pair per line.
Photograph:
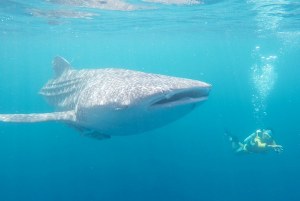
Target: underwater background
248, 50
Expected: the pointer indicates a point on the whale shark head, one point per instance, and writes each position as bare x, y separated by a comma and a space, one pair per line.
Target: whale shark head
135, 102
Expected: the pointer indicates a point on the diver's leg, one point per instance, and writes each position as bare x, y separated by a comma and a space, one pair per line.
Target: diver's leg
236, 145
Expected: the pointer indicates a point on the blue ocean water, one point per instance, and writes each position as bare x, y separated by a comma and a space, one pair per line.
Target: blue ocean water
248, 50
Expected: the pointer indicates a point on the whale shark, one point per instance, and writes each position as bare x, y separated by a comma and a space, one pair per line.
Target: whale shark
106, 102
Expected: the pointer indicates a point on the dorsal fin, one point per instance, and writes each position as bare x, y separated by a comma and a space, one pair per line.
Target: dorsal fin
60, 65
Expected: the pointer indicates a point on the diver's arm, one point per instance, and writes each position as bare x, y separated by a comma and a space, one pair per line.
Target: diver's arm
276, 147
250, 137
253, 136
274, 144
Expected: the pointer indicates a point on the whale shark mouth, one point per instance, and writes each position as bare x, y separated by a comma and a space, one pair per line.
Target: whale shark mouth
181, 97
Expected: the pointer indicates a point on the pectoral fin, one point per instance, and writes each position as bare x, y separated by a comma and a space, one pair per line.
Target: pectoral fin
96, 135
90, 133
68, 116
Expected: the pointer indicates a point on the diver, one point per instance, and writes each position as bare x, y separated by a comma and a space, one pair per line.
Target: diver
260, 141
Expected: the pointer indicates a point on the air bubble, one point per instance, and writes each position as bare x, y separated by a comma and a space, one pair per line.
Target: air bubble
263, 79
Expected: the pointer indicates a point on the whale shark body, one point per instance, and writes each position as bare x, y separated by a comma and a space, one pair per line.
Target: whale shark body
110, 101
